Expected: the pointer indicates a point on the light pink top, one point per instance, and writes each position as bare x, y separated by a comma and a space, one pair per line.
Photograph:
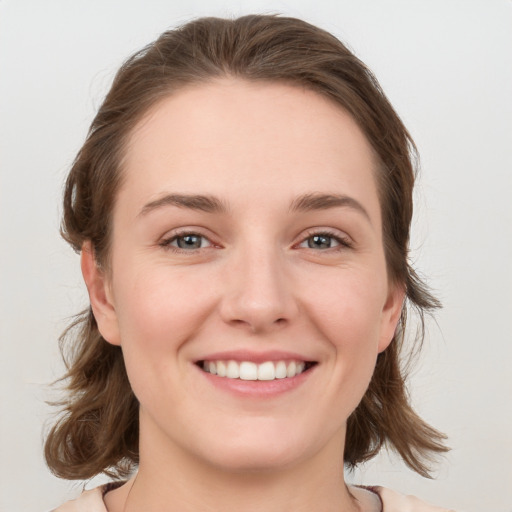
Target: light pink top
378, 499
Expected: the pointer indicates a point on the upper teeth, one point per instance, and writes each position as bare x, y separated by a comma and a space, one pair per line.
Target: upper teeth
247, 370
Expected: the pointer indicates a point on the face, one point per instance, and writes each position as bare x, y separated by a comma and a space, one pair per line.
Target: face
247, 285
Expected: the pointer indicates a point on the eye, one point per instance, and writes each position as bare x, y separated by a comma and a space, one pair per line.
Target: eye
323, 241
187, 242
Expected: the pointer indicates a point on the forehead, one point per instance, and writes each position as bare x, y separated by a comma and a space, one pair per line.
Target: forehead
256, 137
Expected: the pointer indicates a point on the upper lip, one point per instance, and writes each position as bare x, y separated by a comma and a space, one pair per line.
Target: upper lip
255, 356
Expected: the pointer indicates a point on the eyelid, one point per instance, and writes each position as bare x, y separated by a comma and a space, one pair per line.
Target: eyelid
344, 240
166, 240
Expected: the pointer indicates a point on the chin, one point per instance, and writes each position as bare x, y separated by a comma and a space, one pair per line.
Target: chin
267, 451
254, 459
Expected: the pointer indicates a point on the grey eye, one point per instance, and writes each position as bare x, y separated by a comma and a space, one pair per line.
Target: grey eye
190, 241
321, 242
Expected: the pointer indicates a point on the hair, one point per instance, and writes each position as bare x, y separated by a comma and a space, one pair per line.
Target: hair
98, 429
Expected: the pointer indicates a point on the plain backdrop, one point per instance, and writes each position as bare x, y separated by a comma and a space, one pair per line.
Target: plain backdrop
446, 66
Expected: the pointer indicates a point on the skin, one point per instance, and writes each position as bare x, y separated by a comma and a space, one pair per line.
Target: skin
258, 283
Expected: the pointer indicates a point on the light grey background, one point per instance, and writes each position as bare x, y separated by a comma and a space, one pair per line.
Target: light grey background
446, 65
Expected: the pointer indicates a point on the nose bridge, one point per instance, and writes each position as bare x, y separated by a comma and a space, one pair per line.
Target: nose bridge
259, 293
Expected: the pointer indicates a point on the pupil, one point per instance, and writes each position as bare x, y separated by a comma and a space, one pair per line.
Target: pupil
319, 242
189, 242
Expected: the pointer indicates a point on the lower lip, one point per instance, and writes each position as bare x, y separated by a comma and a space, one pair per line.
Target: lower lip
257, 388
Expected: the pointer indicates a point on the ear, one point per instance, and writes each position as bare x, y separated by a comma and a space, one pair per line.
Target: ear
100, 295
391, 314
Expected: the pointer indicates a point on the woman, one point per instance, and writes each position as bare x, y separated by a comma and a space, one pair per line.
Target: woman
242, 207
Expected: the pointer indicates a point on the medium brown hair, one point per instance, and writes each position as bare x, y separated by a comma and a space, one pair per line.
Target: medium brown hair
98, 431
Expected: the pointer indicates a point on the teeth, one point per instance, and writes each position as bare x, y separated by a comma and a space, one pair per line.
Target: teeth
281, 370
291, 369
233, 370
221, 368
247, 370
266, 371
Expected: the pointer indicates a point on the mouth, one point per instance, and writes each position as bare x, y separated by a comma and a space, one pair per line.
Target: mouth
251, 371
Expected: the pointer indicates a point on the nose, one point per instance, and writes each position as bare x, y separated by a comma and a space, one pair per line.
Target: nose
259, 292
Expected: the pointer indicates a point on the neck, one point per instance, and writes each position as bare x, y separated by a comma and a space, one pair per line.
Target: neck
173, 480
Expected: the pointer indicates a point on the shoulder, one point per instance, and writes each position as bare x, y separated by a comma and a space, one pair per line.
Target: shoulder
393, 501
88, 501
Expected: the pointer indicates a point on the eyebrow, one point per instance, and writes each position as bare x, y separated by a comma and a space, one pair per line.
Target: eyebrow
212, 204
209, 204
320, 201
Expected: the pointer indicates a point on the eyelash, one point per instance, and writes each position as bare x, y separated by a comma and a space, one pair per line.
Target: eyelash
343, 241
166, 242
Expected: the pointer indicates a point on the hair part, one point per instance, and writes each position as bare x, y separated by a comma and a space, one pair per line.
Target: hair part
98, 431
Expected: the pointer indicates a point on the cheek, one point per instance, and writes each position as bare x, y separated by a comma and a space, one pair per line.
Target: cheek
349, 318
160, 308
350, 310
158, 312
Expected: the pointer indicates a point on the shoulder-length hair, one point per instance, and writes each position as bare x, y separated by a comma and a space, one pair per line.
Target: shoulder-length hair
98, 430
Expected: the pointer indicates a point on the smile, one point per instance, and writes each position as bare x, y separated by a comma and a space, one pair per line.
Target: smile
248, 370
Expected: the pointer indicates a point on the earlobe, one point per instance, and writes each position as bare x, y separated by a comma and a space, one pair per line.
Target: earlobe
100, 296
391, 314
